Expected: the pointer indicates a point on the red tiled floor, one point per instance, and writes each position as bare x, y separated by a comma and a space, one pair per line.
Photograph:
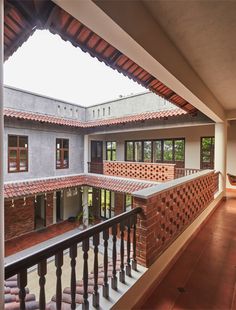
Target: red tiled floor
204, 276
25, 241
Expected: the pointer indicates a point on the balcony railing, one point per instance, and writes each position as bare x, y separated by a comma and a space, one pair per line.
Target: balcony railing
124, 223
159, 172
183, 172
95, 167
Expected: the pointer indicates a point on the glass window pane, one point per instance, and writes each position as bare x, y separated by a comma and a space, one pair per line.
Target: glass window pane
12, 165
58, 143
179, 150
23, 165
157, 151
114, 155
13, 154
114, 145
23, 142
65, 143
129, 151
137, 151
109, 155
168, 150
66, 159
147, 151
23, 155
128, 202
12, 141
109, 144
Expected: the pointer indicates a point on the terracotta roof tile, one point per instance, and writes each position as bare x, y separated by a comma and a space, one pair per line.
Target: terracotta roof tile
19, 189
147, 116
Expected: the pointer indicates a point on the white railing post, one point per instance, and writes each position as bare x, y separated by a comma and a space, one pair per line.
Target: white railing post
1, 160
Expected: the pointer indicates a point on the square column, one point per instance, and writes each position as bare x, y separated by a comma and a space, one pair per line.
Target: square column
85, 207
1, 160
220, 153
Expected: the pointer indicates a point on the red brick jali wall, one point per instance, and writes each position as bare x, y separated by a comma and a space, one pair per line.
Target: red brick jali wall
20, 218
143, 171
167, 214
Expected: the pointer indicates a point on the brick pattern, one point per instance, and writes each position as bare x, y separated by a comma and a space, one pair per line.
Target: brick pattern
119, 203
19, 219
143, 171
216, 182
167, 214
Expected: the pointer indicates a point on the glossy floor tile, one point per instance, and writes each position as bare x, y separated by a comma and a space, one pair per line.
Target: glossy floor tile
204, 276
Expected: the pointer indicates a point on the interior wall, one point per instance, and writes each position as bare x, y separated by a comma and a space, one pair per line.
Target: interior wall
72, 205
191, 134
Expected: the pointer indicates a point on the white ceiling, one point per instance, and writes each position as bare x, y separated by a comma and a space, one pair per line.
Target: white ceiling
205, 34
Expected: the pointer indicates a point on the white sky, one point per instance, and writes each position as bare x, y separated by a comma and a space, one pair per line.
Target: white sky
47, 65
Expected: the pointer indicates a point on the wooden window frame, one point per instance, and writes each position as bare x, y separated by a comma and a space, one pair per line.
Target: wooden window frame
62, 151
173, 161
112, 150
18, 149
212, 156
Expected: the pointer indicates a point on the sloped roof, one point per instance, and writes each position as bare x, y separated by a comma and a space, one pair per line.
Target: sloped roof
38, 117
23, 17
27, 188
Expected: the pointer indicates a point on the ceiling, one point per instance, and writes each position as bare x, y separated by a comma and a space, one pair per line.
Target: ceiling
204, 33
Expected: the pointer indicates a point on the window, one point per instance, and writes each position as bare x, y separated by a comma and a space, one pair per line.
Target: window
157, 151
110, 151
98, 113
207, 152
103, 111
147, 151
128, 202
109, 110
17, 153
93, 114
62, 153
106, 209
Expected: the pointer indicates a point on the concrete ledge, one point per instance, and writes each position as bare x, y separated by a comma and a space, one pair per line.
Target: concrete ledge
144, 287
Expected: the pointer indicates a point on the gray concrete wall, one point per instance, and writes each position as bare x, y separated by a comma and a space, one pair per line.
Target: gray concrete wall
135, 104
42, 150
26, 101
191, 134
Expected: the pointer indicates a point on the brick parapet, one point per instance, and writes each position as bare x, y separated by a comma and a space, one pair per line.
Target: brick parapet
167, 214
142, 171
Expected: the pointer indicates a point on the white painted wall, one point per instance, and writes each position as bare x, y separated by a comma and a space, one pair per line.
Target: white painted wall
192, 137
72, 205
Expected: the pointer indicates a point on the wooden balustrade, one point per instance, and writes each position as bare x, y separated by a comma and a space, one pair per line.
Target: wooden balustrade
123, 223
95, 167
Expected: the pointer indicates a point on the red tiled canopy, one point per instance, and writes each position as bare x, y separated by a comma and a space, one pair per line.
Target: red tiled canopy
90, 124
23, 17
28, 188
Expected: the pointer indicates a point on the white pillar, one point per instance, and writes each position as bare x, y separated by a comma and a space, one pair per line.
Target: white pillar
86, 159
1, 160
220, 153
85, 207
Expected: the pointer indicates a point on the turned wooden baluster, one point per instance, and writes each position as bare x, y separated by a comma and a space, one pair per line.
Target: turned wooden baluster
105, 264
58, 264
128, 266
42, 271
73, 255
122, 271
134, 261
85, 248
22, 282
114, 257
95, 271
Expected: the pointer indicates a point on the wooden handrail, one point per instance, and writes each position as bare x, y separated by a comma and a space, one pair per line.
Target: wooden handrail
27, 261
